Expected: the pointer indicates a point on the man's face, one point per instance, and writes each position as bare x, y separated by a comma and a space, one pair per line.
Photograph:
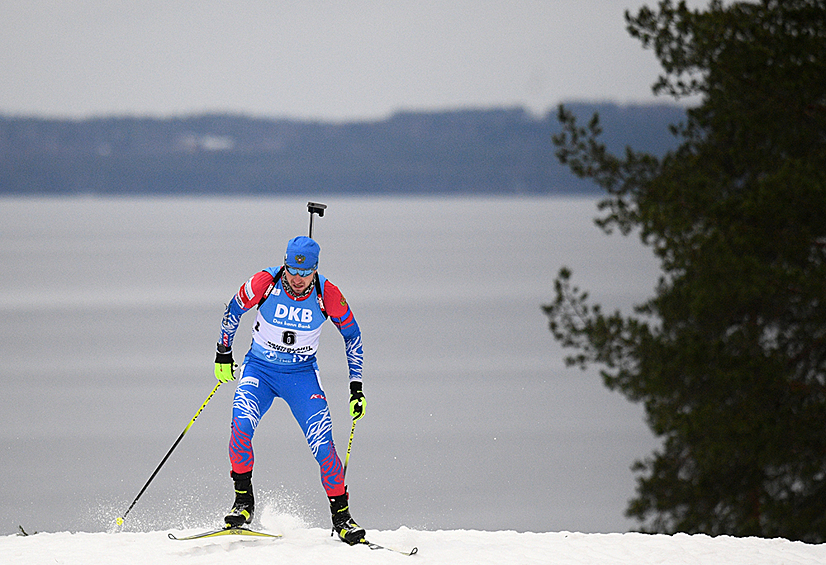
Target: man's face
298, 282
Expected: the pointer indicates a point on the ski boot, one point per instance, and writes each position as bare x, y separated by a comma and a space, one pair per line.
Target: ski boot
343, 524
244, 506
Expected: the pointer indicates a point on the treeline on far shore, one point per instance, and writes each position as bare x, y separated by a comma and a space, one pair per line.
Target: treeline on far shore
477, 151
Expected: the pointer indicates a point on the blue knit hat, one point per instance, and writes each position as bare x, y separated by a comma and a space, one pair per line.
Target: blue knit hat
302, 253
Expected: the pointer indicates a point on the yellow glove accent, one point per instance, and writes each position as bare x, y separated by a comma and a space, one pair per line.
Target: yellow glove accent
357, 401
225, 372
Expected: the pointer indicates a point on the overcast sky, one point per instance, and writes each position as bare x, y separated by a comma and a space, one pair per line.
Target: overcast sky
327, 60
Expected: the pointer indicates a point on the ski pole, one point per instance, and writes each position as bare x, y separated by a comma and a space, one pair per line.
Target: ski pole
349, 447
347, 458
168, 453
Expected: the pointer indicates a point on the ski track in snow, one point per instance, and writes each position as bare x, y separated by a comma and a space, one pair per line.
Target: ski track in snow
302, 545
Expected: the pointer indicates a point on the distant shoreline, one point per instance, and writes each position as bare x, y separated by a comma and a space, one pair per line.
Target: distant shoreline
505, 151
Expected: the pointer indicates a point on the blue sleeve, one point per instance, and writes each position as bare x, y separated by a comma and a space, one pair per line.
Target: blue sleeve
230, 321
351, 333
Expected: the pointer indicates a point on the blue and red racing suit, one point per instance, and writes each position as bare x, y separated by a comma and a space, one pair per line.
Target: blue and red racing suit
281, 362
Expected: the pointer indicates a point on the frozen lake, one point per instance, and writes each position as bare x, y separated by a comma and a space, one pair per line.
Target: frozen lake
111, 310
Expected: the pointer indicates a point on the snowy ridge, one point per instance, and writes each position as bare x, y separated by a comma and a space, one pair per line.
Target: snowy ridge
314, 546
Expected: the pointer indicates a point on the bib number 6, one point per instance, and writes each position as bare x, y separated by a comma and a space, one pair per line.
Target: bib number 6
288, 337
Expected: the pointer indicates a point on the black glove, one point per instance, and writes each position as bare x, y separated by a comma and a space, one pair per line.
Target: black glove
224, 364
357, 401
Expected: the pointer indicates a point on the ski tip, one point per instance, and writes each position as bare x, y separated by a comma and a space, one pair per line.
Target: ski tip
226, 532
371, 545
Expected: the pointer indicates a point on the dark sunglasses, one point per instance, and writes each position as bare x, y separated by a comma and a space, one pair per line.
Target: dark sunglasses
299, 272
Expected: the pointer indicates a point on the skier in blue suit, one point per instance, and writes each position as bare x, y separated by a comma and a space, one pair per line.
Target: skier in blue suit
293, 303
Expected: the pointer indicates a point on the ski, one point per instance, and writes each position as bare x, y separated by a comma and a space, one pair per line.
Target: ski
254, 533
226, 532
371, 545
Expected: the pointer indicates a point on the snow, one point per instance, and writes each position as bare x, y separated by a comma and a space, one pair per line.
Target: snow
306, 545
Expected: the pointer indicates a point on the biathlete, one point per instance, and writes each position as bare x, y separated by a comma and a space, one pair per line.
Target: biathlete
293, 302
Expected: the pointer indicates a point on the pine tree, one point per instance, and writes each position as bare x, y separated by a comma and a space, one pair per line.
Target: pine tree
729, 355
